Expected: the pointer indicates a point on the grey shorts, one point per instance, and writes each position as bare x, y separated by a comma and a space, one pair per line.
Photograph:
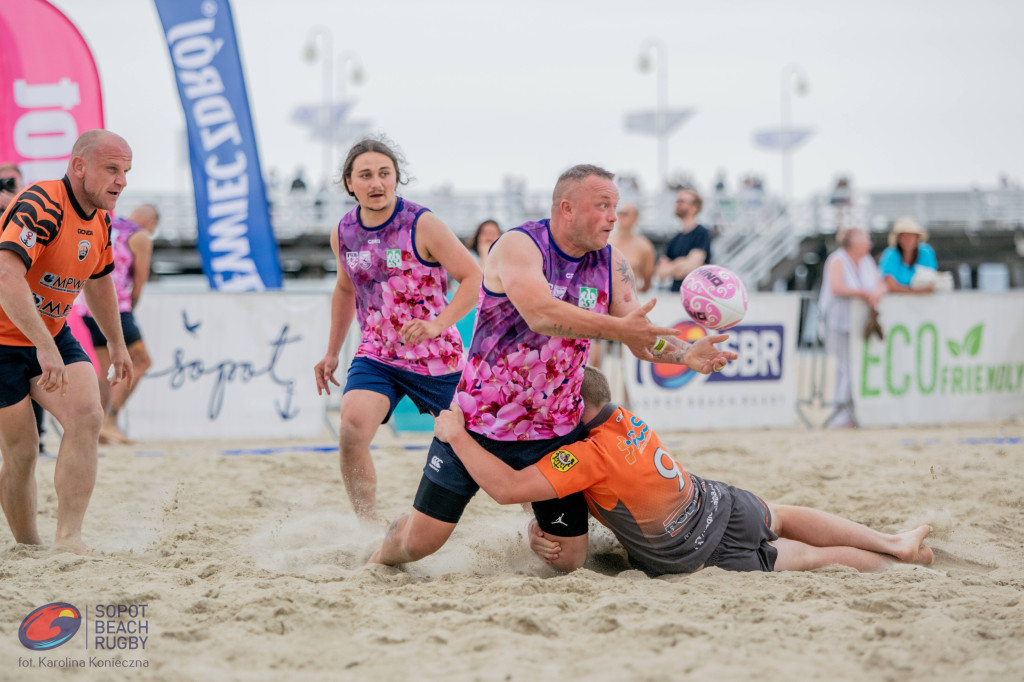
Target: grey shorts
744, 546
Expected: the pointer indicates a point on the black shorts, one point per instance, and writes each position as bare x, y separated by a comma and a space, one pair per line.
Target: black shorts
744, 546
128, 328
446, 487
19, 365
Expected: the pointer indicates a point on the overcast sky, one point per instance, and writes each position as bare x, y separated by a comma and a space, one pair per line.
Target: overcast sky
903, 94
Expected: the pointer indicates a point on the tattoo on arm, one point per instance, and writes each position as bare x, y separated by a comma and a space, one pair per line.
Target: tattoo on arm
674, 353
568, 333
626, 274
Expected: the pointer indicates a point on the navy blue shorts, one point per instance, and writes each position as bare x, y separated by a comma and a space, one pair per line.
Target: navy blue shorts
128, 328
19, 365
745, 544
566, 517
429, 394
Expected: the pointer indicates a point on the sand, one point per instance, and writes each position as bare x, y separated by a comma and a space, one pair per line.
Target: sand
250, 564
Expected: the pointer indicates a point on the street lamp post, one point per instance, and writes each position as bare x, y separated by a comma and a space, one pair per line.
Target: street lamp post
350, 70
655, 47
793, 80
326, 56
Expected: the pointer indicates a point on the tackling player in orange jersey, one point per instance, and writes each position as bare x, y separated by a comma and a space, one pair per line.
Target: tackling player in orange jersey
671, 521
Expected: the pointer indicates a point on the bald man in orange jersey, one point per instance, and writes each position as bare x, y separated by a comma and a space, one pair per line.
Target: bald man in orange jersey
55, 242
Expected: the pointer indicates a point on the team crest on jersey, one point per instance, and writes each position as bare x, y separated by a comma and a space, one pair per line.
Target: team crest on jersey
27, 238
557, 291
394, 258
83, 249
563, 460
358, 259
588, 297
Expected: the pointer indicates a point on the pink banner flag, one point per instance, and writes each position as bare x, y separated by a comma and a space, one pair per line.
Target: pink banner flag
49, 88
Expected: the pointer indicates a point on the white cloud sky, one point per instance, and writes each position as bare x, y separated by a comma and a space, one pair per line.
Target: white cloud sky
910, 94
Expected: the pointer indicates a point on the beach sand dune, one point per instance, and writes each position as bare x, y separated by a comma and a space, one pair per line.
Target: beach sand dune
250, 564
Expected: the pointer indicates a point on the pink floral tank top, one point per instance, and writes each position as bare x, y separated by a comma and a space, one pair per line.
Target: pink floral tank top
521, 385
394, 285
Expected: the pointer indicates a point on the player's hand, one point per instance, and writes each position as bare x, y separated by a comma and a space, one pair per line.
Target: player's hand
121, 368
324, 373
449, 423
547, 550
54, 373
703, 357
639, 333
415, 331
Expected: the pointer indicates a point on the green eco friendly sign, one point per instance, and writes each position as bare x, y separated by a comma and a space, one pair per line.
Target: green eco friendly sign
956, 376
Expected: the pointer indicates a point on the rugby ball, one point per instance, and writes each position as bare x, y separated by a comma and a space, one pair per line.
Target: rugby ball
714, 297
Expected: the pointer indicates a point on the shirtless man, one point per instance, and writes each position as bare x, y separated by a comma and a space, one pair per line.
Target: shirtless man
668, 520
637, 248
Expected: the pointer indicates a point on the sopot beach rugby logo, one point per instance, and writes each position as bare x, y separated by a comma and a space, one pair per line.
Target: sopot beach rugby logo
49, 626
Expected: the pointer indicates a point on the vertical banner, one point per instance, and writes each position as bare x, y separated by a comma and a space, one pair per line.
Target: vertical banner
945, 358
235, 238
757, 390
49, 88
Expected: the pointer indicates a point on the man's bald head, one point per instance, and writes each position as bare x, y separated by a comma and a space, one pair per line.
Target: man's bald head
93, 140
146, 216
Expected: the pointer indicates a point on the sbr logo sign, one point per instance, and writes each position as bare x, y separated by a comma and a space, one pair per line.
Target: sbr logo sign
759, 348
760, 351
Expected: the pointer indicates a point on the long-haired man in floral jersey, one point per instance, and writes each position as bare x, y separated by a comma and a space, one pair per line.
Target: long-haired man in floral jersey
549, 287
394, 259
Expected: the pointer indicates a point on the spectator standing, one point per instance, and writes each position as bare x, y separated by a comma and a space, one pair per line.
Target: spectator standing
637, 248
689, 249
850, 273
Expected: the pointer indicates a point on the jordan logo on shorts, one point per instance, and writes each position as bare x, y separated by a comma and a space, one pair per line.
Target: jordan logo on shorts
559, 520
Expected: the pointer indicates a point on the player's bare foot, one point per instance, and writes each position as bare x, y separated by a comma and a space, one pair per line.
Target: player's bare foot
111, 435
75, 545
911, 549
375, 557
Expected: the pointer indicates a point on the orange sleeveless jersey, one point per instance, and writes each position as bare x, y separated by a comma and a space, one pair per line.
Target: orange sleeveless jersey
663, 515
61, 247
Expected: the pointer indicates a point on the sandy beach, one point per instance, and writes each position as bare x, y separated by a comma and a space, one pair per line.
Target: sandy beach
250, 565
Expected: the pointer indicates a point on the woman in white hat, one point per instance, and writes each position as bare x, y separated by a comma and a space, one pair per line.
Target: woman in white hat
908, 255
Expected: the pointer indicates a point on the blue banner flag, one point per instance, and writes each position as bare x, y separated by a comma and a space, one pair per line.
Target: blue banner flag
235, 238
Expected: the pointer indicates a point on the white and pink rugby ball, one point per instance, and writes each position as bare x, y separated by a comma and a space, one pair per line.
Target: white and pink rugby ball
714, 297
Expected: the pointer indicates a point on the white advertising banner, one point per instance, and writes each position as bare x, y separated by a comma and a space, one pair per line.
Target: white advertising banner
757, 390
945, 358
230, 366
